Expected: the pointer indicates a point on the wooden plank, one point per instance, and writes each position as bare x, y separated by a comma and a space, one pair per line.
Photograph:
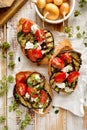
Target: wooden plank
3, 72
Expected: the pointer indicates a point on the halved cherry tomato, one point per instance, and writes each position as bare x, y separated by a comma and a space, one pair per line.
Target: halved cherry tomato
43, 97
40, 35
32, 92
66, 57
26, 27
21, 88
57, 63
20, 78
72, 76
60, 77
34, 54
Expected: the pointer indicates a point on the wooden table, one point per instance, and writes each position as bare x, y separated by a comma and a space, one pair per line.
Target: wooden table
63, 121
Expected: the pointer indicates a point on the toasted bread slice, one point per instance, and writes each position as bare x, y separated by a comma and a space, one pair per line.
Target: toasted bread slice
64, 68
33, 91
36, 43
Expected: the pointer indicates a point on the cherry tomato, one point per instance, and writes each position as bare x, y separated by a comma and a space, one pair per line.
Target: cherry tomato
40, 35
20, 78
43, 97
35, 54
26, 27
32, 92
66, 57
72, 76
57, 63
21, 88
60, 77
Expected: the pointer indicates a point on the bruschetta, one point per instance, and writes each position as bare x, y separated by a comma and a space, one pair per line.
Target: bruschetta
33, 91
36, 43
64, 68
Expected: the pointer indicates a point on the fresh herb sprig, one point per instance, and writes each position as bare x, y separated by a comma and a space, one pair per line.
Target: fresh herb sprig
24, 122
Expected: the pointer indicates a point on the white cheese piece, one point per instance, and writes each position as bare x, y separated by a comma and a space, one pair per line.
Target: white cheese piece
6, 3
41, 111
68, 90
34, 28
60, 85
29, 45
67, 68
27, 95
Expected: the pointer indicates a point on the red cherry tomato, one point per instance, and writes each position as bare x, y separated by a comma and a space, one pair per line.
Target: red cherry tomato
66, 57
72, 76
43, 97
21, 88
35, 54
57, 63
40, 35
32, 92
20, 78
26, 27
60, 77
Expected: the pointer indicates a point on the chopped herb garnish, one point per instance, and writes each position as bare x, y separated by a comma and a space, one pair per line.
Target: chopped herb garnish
3, 88
18, 112
25, 122
2, 119
85, 41
11, 64
19, 59
13, 106
82, 2
5, 128
19, 34
11, 53
68, 29
78, 28
56, 111
79, 35
6, 45
77, 13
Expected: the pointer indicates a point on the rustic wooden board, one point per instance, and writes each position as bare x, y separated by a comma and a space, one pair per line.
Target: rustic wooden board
7, 13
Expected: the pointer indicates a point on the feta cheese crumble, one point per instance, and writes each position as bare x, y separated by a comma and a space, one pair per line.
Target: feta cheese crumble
29, 45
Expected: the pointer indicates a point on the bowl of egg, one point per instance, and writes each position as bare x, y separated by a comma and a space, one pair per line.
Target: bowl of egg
54, 11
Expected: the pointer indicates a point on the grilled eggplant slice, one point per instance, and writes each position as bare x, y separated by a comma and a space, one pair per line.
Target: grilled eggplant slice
64, 68
37, 44
33, 91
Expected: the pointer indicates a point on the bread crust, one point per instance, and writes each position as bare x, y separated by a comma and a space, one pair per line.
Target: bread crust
47, 88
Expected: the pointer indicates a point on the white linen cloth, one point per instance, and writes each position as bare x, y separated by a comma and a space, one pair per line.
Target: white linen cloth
73, 102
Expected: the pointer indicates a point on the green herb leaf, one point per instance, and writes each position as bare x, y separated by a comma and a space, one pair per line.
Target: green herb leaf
13, 106
19, 34
77, 13
2, 119
25, 122
19, 59
5, 128
56, 111
6, 45
11, 53
79, 35
11, 64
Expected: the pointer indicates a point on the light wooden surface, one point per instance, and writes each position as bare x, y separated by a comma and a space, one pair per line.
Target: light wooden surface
62, 121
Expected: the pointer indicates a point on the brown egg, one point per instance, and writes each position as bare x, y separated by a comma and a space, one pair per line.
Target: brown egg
41, 4
58, 2
49, 1
52, 11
